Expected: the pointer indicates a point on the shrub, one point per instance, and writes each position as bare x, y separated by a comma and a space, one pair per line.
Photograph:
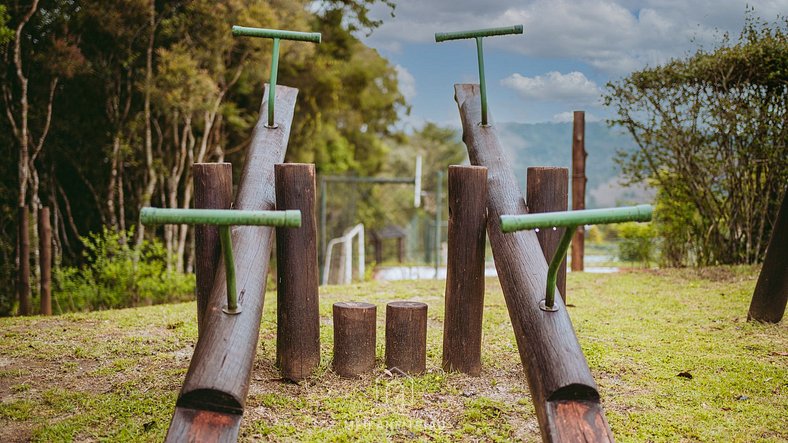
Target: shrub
118, 275
636, 242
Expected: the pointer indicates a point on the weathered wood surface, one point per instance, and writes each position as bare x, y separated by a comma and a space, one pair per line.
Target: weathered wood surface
579, 180
354, 338
297, 307
578, 421
198, 426
406, 336
23, 266
547, 190
45, 260
555, 366
464, 300
220, 369
771, 291
213, 189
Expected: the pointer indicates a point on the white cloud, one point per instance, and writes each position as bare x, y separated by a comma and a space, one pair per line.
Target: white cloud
573, 87
406, 81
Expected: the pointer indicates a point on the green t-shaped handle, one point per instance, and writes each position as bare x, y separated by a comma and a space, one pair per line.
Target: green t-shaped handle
276, 35
570, 220
478, 34
224, 219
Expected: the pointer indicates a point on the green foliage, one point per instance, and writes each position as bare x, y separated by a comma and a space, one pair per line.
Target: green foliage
117, 275
6, 34
713, 140
636, 242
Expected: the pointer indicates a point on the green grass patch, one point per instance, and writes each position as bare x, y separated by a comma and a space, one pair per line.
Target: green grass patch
671, 351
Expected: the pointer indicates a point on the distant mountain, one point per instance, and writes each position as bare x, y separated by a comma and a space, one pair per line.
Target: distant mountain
550, 144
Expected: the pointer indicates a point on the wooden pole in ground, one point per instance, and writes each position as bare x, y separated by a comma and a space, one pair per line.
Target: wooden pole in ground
406, 336
45, 259
564, 393
771, 291
213, 189
579, 180
297, 308
213, 395
23, 267
354, 338
547, 191
464, 301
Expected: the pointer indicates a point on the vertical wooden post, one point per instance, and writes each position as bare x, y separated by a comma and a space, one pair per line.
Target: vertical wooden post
547, 191
406, 336
464, 301
45, 259
213, 189
297, 310
23, 276
579, 155
771, 291
354, 338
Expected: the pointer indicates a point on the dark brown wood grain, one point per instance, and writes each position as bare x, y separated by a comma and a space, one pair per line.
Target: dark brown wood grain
464, 300
579, 180
23, 266
45, 260
406, 336
547, 190
554, 363
354, 338
198, 426
218, 376
771, 291
297, 308
213, 189
578, 421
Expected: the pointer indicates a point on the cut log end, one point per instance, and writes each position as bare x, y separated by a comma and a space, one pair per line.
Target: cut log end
192, 425
577, 420
211, 400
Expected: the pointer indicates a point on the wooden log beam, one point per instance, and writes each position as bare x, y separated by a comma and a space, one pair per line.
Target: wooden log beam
297, 307
547, 191
213, 189
579, 180
558, 376
771, 291
464, 301
220, 370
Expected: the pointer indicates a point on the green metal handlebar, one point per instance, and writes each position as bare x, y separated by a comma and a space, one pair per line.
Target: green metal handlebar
276, 35
563, 219
313, 37
489, 32
478, 34
570, 220
224, 219
220, 217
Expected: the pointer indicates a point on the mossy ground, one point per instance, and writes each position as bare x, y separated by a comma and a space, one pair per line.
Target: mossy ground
115, 375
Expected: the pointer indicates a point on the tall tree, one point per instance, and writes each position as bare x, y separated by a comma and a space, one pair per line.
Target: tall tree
713, 137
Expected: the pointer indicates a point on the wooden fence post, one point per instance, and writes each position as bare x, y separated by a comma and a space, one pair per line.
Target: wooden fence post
213, 189
547, 191
297, 307
464, 301
45, 259
579, 180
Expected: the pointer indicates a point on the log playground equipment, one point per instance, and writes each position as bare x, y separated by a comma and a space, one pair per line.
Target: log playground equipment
234, 248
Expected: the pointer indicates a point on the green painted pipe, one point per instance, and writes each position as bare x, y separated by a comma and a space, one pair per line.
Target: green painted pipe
478, 34
570, 220
226, 239
276, 34
222, 217
489, 32
563, 219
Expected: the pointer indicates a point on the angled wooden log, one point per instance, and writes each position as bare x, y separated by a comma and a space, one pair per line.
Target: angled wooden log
221, 367
771, 291
564, 392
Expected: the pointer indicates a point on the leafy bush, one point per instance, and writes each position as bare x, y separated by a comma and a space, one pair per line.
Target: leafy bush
636, 242
117, 275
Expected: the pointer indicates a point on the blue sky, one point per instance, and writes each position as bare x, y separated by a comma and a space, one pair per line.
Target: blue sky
569, 49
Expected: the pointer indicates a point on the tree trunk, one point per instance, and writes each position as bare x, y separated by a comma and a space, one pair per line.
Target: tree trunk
23, 265
45, 257
151, 176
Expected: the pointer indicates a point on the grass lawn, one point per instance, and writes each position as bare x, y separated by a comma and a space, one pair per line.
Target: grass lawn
115, 375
